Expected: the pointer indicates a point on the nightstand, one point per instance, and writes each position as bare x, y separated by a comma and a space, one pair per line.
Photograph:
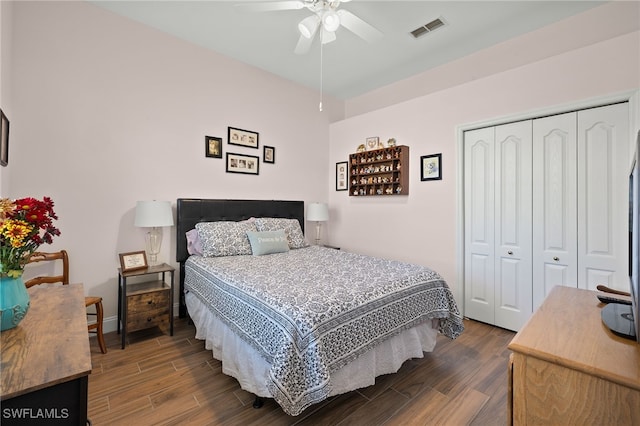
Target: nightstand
145, 304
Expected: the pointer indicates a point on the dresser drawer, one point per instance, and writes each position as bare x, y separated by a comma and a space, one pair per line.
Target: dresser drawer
150, 301
142, 320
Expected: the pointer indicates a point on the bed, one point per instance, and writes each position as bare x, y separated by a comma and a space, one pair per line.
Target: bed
300, 323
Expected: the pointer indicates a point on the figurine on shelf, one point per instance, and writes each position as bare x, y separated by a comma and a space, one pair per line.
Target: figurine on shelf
399, 189
361, 148
389, 191
391, 142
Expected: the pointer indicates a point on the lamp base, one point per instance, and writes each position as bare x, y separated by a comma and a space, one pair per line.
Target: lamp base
154, 243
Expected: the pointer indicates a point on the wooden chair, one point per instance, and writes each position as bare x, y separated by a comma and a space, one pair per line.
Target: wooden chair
64, 279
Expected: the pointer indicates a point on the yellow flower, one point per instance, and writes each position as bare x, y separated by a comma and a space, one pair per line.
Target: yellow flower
15, 231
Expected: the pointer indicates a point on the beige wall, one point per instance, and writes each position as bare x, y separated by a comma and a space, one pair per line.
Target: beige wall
423, 226
107, 112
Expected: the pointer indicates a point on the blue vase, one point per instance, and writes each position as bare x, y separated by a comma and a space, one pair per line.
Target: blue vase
14, 302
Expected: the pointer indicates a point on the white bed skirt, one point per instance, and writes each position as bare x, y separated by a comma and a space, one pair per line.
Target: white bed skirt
243, 362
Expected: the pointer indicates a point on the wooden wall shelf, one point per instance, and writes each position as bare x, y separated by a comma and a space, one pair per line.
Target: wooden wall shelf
379, 172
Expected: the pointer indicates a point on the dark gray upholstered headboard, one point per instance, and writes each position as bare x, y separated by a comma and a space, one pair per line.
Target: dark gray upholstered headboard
193, 210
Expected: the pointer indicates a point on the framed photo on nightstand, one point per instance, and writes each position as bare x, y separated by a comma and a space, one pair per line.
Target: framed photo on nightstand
133, 261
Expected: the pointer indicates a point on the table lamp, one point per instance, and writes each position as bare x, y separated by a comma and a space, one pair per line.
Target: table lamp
318, 212
154, 215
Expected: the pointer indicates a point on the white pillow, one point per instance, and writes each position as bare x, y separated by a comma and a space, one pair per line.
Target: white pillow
268, 242
224, 238
291, 228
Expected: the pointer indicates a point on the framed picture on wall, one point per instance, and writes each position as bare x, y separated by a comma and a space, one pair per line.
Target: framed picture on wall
269, 154
4, 141
240, 163
431, 167
342, 176
213, 147
243, 137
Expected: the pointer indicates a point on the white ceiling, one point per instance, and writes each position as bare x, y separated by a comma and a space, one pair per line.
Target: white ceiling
351, 66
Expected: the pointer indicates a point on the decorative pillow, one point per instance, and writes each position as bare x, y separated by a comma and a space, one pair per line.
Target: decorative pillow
291, 228
194, 245
224, 238
268, 242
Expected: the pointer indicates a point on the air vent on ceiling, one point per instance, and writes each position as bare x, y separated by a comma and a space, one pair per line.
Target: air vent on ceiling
427, 28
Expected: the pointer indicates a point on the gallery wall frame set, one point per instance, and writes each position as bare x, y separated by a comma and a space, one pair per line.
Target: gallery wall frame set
431, 167
213, 146
243, 137
4, 139
242, 163
269, 154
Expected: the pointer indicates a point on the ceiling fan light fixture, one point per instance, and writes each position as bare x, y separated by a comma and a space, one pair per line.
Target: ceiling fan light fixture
309, 25
330, 20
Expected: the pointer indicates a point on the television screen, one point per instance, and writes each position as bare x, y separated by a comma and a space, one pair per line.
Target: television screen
624, 320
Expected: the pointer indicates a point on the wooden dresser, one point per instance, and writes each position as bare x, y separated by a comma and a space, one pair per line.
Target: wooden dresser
568, 368
46, 360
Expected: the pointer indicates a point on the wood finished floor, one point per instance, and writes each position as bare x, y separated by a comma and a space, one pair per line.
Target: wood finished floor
166, 380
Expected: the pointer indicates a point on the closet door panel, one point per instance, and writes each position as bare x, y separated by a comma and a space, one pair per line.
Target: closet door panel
603, 162
479, 224
554, 204
513, 279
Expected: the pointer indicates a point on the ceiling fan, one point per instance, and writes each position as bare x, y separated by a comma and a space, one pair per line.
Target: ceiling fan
327, 17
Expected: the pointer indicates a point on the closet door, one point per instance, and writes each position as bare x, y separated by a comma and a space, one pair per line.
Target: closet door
603, 161
554, 204
479, 263
513, 204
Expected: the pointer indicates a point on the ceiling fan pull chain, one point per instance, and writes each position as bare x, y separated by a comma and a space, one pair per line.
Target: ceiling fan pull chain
320, 106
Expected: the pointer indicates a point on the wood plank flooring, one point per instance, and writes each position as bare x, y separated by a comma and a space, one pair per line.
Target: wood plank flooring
163, 380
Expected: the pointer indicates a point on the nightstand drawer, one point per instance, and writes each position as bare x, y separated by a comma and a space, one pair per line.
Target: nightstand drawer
148, 301
148, 319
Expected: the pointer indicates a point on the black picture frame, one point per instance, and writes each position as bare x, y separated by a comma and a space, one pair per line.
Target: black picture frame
342, 176
213, 147
431, 167
269, 154
242, 163
4, 139
241, 137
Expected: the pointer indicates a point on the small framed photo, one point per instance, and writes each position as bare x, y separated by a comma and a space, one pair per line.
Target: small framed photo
269, 154
243, 137
342, 175
372, 143
133, 261
240, 163
213, 147
431, 167
4, 141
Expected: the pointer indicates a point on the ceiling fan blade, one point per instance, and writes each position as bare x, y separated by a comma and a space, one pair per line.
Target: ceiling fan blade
304, 44
270, 6
358, 26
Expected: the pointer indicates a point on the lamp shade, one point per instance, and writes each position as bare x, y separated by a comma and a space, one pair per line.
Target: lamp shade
318, 212
153, 214
309, 25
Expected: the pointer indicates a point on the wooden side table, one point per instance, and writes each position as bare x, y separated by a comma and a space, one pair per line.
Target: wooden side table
46, 360
145, 304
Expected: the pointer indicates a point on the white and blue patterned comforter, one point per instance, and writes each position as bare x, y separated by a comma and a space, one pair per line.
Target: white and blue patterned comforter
312, 310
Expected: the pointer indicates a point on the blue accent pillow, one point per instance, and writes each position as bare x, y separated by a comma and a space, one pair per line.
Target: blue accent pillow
268, 242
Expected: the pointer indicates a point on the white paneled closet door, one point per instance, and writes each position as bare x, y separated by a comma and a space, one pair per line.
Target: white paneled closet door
498, 276
513, 210
555, 227
603, 161
479, 262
